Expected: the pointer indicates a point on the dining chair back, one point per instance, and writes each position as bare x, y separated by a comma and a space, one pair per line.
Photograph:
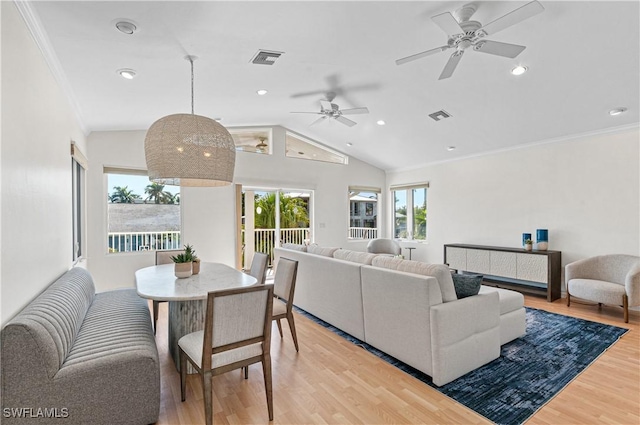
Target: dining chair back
284, 290
259, 267
162, 257
237, 333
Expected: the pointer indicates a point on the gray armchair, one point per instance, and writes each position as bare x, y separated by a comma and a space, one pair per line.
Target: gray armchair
383, 246
605, 279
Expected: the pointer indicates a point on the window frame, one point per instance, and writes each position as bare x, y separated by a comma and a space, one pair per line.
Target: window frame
79, 165
409, 191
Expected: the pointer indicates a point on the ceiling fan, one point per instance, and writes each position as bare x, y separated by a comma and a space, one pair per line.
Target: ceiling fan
331, 110
464, 33
262, 146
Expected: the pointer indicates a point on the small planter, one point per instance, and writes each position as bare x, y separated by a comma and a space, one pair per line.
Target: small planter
528, 247
182, 270
195, 267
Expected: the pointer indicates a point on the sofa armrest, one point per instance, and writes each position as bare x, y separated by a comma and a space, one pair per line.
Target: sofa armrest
465, 334
632, 285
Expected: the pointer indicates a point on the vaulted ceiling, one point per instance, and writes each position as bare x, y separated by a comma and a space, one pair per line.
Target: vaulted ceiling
583, 60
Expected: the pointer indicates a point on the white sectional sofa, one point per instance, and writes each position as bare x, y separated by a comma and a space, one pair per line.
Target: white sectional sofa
406, 308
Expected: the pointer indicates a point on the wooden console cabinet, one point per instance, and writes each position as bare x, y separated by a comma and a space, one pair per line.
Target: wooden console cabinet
536, 272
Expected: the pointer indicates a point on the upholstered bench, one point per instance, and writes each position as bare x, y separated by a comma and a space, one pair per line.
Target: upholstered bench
512, 313
74, 356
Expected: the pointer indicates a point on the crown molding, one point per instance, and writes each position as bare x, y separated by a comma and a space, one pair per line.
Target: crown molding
41, 39
600, 132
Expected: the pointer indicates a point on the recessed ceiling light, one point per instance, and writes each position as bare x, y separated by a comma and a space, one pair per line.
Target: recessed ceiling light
349, 144
262, 92
126, 27
129, 74
451, 148
519, 70
617, 111
380, 122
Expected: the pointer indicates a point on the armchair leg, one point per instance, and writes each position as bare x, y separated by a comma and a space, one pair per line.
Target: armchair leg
625, 306
568, 299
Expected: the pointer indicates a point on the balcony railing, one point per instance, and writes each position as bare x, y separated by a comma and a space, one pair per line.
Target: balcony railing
143, 241
363, 233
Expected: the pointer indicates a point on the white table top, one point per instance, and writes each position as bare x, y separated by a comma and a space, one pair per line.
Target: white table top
159, 282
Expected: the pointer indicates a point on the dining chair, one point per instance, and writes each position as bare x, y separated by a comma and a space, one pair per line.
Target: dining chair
237, 333
284, 289
162, 257
259, 267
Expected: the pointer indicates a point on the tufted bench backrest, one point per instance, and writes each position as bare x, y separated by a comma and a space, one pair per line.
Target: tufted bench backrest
46, 329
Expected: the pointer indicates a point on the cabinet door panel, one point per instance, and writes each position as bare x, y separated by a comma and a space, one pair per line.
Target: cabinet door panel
503, 264
457, 258
532, 267
479, 261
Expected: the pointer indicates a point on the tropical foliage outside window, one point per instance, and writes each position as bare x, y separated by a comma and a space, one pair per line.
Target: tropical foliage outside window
410, 213
293, 211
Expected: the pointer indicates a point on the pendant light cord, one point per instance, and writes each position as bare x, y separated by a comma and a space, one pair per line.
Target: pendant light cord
191, 60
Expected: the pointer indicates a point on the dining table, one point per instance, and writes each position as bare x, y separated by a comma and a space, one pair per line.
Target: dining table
187, 297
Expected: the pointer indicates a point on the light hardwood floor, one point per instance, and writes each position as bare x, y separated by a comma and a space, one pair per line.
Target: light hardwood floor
331, 381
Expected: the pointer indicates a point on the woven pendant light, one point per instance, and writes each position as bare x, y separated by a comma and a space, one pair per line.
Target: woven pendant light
189, 149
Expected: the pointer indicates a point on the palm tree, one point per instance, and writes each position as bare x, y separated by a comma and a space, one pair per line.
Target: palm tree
122, 195
293, 212
173, 198
157, 193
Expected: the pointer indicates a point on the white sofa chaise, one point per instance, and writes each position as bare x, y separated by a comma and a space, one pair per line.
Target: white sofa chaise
411, 314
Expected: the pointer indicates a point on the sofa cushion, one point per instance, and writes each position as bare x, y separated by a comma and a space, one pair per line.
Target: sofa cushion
319, 250
439, 271
509, 300
466, 285
295, 247
354, 256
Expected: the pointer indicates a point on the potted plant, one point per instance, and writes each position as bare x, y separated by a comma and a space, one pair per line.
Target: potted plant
183, 262
195, 261
528, 245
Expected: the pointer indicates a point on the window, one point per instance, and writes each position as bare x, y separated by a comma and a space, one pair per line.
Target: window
141, 215
363, 212
299, 147
78, 166
410, 211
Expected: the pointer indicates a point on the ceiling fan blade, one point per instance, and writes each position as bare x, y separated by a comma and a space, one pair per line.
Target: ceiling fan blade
354, 111
322, 118
451, 64
448, 23
345, 121
501, 49
421, 55
326, 105
298, 112
513, 17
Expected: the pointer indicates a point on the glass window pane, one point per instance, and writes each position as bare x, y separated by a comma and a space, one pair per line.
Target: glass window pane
363, 215
141, 215
420, 214
400, 214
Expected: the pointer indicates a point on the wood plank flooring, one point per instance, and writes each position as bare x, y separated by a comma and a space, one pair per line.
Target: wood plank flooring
331, 381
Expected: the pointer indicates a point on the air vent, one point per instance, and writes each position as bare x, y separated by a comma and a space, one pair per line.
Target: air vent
440, 115
266, 57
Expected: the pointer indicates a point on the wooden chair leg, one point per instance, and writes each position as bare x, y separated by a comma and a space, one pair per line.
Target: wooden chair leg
266, 370
568, 299
156, 305
183, 375
292, 326
279, 327
208, 395
246, 372
625, 306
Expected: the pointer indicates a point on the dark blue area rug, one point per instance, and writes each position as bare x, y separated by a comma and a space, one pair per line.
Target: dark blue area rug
530, 370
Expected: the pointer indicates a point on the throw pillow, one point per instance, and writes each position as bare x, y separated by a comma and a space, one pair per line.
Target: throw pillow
466, 285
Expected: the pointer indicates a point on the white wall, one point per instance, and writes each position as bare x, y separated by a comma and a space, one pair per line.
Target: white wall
37, 128
208, 214
585, 190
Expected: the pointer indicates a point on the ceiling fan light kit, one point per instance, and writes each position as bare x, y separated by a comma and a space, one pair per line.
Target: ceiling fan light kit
464, 33
189, 149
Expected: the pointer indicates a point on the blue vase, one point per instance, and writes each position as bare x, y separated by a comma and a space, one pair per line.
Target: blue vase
525, 236
542, 239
